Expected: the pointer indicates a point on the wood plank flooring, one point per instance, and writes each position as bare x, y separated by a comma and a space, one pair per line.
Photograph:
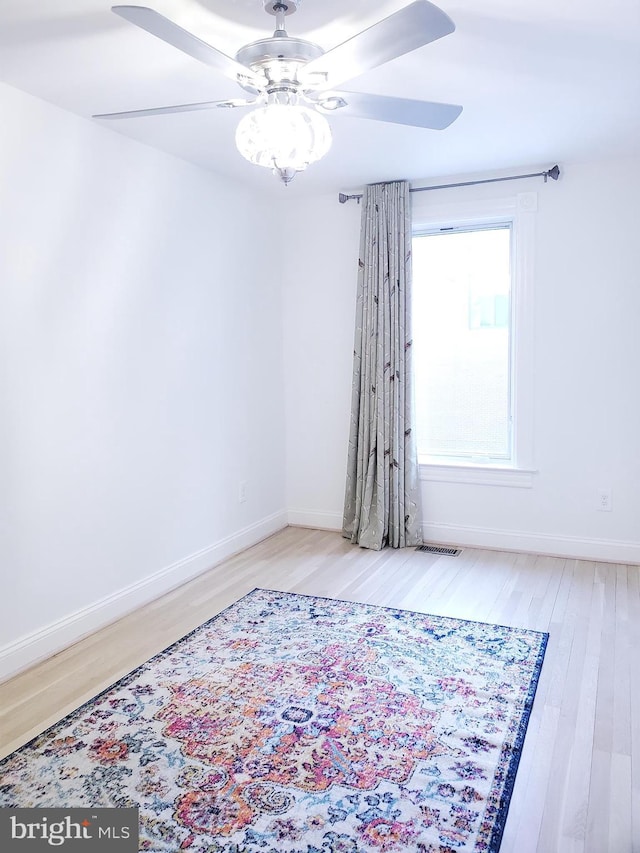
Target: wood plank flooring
578, 785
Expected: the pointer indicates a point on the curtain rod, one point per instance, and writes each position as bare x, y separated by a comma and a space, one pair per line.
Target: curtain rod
553, 173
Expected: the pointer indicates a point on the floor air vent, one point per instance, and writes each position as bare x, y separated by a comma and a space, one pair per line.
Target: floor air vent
439, 549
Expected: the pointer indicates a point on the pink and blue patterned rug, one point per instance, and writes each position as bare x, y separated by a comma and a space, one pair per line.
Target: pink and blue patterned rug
296, 724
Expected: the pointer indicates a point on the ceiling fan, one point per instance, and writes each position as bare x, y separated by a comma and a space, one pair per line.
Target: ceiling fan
291, 82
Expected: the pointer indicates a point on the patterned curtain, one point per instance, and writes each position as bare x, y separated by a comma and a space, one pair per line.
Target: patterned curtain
382, 490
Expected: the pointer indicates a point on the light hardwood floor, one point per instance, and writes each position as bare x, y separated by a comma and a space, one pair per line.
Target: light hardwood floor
578, 785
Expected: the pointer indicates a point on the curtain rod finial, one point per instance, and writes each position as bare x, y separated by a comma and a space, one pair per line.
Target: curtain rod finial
554, 173
343, 197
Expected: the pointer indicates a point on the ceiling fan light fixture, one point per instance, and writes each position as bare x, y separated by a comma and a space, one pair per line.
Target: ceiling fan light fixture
295, 80
283, 137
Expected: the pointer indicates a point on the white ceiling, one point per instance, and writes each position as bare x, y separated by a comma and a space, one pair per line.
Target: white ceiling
541, 81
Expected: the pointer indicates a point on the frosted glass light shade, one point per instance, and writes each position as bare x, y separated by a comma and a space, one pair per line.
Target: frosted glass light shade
283, 137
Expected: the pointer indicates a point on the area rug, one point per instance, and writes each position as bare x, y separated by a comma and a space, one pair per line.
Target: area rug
297, 724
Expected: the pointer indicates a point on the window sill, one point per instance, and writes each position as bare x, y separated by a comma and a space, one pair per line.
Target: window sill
481, 475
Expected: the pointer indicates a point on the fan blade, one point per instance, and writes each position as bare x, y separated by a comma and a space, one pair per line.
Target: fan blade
179, 108
156, 24
396, 110
410, 28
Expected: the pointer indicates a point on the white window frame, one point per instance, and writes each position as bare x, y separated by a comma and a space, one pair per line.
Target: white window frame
520, 211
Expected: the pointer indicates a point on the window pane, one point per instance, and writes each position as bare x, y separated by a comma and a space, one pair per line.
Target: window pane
461, 318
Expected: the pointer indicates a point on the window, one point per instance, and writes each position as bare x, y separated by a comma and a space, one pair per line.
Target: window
472, 331
461, 290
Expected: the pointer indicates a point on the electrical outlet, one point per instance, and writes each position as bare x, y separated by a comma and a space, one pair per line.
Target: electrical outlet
242, 491
604, 500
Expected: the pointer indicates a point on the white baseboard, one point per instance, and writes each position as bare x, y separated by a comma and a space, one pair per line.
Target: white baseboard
607, 550
45, 642
317, 520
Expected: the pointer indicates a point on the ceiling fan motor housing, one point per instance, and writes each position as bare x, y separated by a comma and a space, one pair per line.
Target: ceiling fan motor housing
279, 59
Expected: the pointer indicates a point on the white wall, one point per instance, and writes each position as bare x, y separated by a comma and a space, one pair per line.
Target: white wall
319, 282
587, 352
140, 374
